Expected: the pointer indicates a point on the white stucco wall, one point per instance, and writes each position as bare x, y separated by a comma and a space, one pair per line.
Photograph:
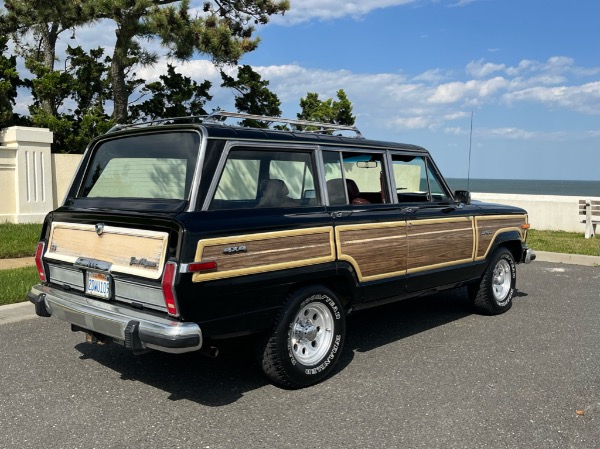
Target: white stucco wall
546, 212
63, 170
25, 168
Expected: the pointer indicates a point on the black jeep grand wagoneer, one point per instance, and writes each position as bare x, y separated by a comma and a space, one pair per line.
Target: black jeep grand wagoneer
176, 235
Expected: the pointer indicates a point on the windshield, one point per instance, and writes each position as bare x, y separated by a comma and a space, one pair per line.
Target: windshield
152, 166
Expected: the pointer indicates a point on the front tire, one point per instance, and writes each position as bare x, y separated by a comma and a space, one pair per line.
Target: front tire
307, 339
495, 292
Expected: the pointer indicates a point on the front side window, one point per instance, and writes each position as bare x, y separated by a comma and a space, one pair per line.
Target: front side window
415, 181
153, 166
354, 178
266, 178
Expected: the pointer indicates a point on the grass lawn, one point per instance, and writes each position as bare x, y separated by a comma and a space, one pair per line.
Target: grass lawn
16, 283
18, 240
563, 242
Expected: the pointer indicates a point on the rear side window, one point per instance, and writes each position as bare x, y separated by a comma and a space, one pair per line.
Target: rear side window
266, 178
153, 166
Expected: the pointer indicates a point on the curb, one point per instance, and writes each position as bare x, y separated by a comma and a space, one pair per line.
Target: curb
573, 259
13, 313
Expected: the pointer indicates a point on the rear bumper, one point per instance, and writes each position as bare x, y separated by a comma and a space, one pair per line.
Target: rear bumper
138, 330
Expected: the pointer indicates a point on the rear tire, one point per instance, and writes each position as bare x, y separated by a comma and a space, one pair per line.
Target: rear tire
307, 339
495, 292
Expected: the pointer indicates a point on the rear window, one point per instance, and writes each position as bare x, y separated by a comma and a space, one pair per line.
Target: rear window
153, 166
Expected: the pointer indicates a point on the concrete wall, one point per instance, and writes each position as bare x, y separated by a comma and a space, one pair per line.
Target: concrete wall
63, 170
546, 212
25, 174
32, 180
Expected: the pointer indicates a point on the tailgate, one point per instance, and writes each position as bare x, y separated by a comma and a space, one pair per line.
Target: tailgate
108, 262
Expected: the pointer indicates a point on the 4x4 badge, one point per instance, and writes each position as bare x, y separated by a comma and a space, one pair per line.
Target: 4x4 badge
235, 249
99, 228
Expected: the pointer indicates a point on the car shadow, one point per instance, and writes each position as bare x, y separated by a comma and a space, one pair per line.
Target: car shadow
225, 379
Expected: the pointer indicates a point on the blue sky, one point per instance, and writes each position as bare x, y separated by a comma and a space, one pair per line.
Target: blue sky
415, 70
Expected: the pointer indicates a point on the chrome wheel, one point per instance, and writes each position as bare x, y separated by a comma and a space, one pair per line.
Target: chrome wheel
312, 333
307, 339
502, 280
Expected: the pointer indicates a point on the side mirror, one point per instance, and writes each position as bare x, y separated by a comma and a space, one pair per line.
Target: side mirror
463, 196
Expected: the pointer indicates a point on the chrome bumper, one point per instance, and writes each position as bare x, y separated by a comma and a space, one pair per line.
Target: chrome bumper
529, 256
137, 329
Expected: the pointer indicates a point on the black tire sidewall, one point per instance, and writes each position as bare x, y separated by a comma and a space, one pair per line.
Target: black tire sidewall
310, 374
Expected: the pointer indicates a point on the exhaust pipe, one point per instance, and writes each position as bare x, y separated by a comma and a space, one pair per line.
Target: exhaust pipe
210, 351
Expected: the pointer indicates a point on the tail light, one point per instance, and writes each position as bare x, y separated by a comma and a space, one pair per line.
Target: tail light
39, 263
168, 288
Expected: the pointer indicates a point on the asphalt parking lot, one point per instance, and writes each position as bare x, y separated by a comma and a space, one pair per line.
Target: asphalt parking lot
424, 373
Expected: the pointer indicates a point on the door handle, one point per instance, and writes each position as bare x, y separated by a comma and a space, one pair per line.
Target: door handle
340, 213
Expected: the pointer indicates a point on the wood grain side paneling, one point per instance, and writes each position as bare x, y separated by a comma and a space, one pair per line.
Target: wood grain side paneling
439, 243
265, 252
69, 241
375, 250
488, 228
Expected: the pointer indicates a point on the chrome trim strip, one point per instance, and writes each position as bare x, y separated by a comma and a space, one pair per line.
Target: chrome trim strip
111, 320
198, 171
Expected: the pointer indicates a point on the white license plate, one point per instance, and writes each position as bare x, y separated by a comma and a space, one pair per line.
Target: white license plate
98, 284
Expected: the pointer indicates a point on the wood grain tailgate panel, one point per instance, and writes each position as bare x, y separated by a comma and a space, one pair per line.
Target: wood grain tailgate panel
69, 241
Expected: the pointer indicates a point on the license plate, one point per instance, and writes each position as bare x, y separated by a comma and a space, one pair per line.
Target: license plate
98, 284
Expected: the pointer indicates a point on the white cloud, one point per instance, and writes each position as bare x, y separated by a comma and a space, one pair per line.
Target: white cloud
397, 101
584, 99
460, 3
479, 69
433, 76
307, 10
474, 89
512, 133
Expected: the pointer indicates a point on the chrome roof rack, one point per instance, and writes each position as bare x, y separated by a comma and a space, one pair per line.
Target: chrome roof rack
161, 121
311, 127
219, 117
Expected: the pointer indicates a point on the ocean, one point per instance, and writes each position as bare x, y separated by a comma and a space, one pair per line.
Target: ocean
528, 186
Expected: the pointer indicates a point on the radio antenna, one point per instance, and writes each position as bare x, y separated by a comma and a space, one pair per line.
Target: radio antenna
470, 141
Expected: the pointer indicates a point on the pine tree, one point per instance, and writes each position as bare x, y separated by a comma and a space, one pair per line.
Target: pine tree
9, 82
253, 96
174, 95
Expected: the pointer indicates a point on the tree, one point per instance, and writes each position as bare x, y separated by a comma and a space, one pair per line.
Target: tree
79, 94
174, 95
90, 91
253, 96
44, 20
9, 82
223, 32
329, 111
